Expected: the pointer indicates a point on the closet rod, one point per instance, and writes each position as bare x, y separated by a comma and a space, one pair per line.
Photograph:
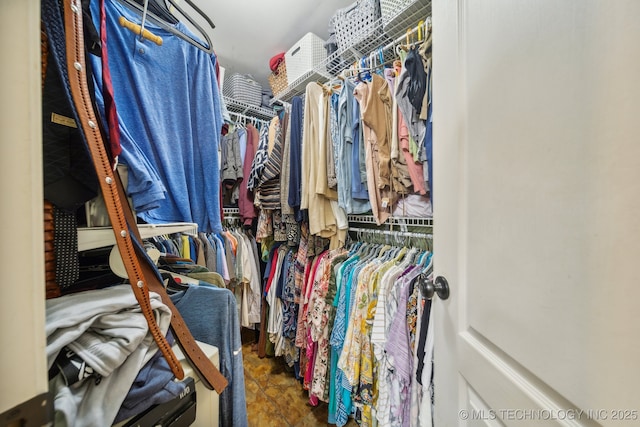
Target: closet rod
392, 221
392, 233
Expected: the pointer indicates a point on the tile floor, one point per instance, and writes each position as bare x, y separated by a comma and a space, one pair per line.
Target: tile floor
274, 397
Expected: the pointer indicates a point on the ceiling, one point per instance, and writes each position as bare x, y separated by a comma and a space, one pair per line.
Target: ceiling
249, 32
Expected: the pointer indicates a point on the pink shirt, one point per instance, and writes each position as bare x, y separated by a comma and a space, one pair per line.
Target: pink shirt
415, 168
245, 200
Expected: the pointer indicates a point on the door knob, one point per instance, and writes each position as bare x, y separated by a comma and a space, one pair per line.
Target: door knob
439, 286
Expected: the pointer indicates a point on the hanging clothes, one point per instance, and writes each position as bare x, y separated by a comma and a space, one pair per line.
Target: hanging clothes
417, 127
359, 185
232, 173
347, 157
295, 143
171, 149
268, 189
401, 181
379, 191
358, 332
316, 196
245, 198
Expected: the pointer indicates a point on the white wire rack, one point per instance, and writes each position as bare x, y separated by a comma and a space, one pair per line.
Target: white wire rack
246, 119
399, 230
384, 39
392, 221
231, 216
394, 234
235, 106
231, 211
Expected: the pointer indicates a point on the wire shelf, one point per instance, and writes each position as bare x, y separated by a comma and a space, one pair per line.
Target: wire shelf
392, 221
98, 237
245, 118
382, 39
371, 231
235, 106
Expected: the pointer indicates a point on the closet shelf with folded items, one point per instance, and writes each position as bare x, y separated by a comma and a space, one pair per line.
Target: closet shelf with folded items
360, 37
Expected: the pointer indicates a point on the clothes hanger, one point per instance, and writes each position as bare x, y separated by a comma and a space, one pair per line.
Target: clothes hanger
381, 63
410, 41
364, 247
363, 68
208, 48
333, 85
160, 8
140, 30
356, 71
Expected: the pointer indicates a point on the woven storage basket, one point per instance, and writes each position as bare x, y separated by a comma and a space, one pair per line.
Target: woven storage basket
243, 88
278, 79
304, 56
356, 23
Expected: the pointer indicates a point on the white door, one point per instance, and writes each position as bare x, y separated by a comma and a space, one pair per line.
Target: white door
537, 206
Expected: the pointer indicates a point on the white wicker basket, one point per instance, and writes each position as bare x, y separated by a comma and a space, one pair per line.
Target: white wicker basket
357, 23
243, 88
304, 56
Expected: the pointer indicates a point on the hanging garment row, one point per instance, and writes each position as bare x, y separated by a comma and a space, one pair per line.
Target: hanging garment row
229, 259
237, 150
215, 278
350, 322
361, 146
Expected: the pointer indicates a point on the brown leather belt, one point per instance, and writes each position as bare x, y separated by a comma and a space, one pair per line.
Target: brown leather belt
141, 274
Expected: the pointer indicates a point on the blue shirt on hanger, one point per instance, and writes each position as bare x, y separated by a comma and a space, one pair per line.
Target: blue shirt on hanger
170, 113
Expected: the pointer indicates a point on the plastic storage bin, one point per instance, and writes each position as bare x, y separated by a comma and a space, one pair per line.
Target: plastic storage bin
243, 88
304, 56
357, 23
